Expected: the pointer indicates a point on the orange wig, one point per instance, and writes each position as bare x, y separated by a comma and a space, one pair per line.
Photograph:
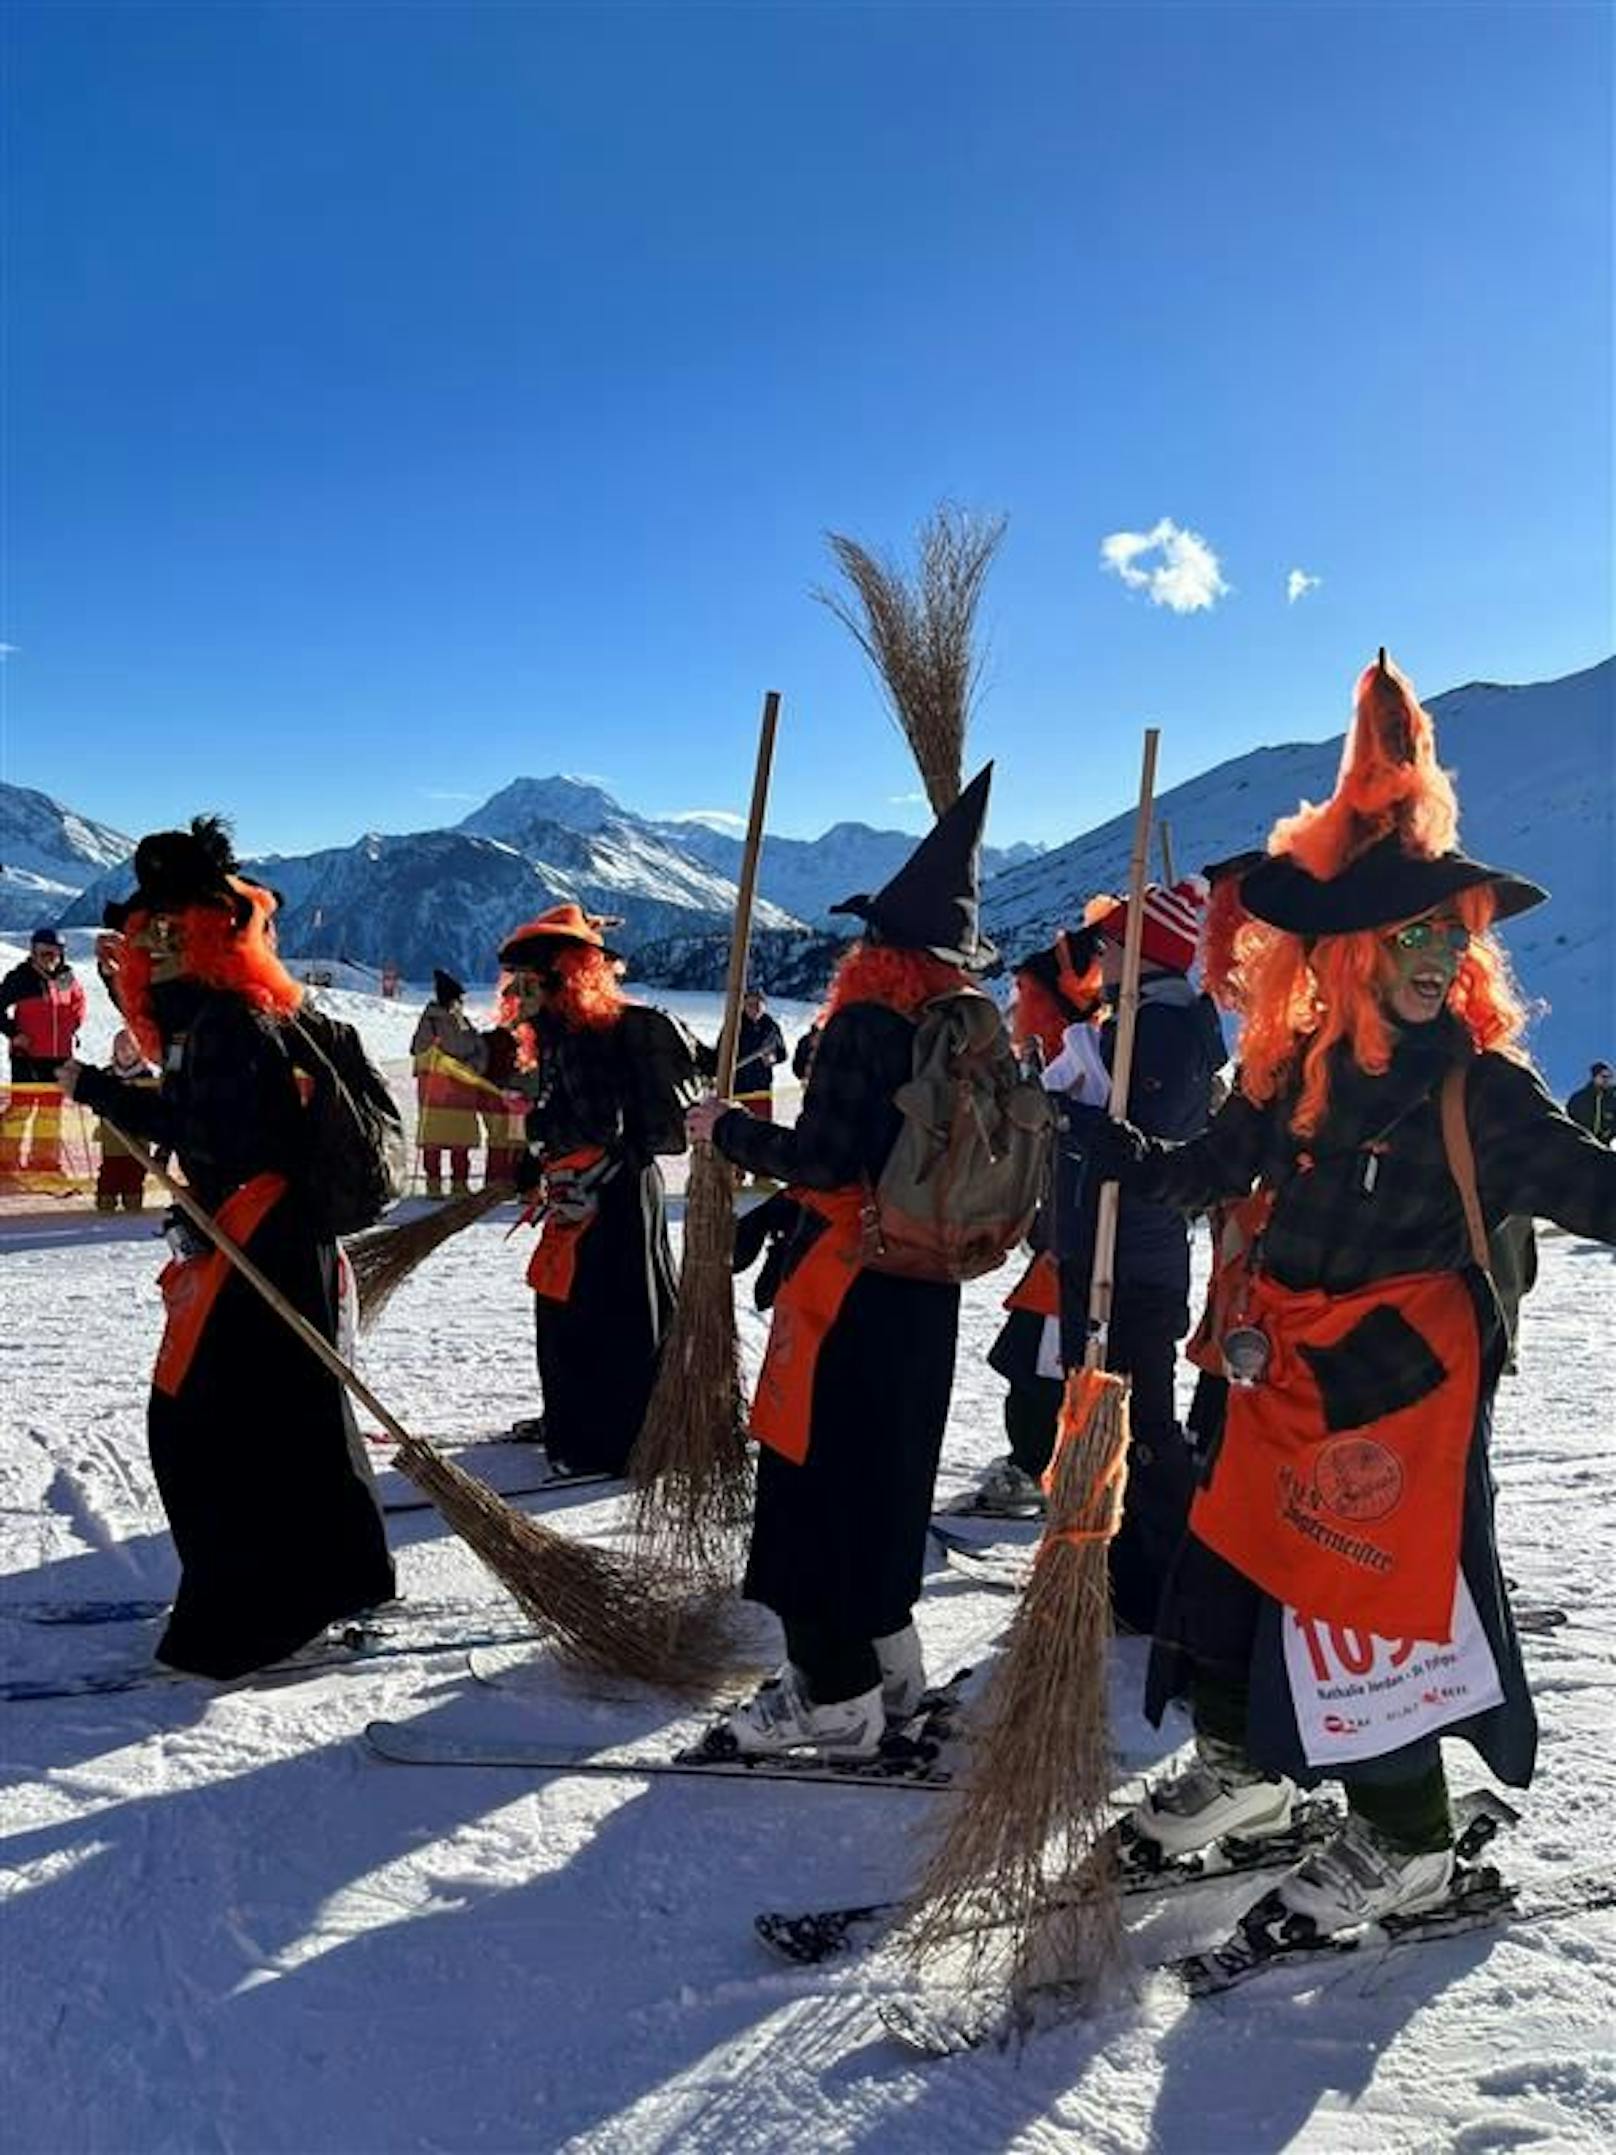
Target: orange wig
589, 999
901, 979
216, 951
1298, 999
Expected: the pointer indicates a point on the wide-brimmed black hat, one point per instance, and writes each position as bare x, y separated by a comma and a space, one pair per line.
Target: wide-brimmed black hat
446, 989
934, 901
176, 869
1382, 886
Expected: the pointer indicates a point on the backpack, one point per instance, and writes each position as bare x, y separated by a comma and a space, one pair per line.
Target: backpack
357, 1162
963, 1181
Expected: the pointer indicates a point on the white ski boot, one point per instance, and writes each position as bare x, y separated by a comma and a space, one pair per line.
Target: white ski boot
1358, 1876
1218, 1792
1010, 1492
903, 1674
780, 1716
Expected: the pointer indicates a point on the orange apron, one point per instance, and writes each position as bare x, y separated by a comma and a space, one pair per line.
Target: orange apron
552, 1270
1038, 1288
191, 1285
1358, 1523
810, 1297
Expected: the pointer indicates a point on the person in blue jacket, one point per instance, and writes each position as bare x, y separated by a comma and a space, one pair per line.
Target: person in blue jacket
1178, 1051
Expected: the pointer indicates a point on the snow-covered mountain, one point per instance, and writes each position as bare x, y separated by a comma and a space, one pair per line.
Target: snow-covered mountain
1534, 768
47, 852
807, 876
448, 898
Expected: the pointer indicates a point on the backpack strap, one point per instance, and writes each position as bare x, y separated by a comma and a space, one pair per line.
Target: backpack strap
1462, 1161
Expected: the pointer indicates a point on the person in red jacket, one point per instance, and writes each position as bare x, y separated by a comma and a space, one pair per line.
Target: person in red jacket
41, 1012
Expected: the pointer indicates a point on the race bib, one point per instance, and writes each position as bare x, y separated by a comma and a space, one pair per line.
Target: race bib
1358, 1696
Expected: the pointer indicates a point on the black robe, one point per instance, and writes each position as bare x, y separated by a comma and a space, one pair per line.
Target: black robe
624, 1088
840, 1541
261, 1470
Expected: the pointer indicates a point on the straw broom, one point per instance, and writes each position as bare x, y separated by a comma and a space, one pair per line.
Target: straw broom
1040, 1776
383, 1258
602, 1614
691, 1466
918, 633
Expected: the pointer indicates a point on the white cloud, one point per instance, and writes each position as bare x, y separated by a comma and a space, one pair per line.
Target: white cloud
1298, 584
445, 793
7, 649
1184, 574
718, 819
907, 800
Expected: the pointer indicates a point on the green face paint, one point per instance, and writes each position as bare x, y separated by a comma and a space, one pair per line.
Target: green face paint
1425, 957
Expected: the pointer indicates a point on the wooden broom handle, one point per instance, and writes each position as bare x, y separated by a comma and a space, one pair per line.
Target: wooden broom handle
1102, 1277
740, 941
320, 1348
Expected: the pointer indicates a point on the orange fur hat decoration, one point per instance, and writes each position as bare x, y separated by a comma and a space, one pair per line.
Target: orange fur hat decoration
1384, 847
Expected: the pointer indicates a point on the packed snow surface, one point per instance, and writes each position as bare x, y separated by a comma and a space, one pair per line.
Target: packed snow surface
230, 1928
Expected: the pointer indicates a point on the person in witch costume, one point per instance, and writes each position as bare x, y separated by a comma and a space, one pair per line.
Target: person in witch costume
607, 1082
260, 1468
1338, 1605
854, 1391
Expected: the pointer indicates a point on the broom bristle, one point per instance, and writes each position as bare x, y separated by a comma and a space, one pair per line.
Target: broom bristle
691, 1467
917, 633
384, 1257
1034, 1805
601, 1612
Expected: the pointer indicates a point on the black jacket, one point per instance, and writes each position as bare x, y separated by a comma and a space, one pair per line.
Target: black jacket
1370, 1194
760, 1045
1593, 1107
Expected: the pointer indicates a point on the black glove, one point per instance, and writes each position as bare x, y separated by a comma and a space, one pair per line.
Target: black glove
1110, 1151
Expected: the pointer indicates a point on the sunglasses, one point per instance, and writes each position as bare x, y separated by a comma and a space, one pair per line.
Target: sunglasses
1427, 934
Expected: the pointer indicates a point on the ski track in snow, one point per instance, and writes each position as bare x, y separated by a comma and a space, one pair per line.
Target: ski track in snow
230, 1929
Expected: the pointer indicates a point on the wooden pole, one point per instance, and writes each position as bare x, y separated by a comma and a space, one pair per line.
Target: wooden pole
741, 935
1102, 1280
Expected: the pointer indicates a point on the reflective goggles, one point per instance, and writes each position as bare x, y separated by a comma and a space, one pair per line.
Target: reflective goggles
1428, 934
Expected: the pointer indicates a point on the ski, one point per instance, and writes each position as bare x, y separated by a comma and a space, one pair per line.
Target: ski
396, 1507
153, 1611
1004, 1571
939, 2025
359, 1644
818, 1934
908, 1758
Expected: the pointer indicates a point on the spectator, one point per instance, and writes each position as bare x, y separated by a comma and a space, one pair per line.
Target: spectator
1594, 1104
449, 1090
760, 1045
121, 1177
41, 1012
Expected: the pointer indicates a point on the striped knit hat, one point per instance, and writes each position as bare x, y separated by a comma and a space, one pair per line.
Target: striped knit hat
1172, 922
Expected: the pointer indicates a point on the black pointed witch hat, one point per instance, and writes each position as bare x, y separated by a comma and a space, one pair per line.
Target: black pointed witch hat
934, 901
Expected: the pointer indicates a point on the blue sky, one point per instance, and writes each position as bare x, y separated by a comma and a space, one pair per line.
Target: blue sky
398, 398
